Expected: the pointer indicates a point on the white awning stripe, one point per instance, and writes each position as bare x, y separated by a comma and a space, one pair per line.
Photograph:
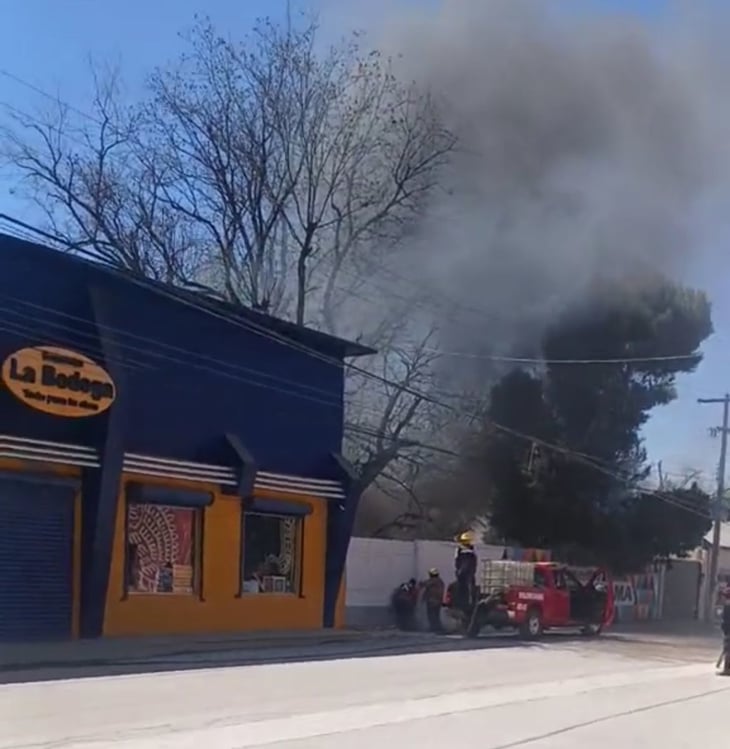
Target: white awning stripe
330, 493
142, 465
226, 476
325, 494
170, 462
285, 478
56, 452
179, 476
65, 460
147, 465
179, 469
26, 441
44, 451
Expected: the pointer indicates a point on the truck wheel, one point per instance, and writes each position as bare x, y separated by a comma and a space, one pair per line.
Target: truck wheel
531, 628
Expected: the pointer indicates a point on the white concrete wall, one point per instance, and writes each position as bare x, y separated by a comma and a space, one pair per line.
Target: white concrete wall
723, 570
375, 566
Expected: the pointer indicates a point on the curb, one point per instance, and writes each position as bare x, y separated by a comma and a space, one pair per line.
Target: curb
200, 648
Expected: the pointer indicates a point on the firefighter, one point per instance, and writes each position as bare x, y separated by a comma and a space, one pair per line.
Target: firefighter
404, 601
465, 567
433, 594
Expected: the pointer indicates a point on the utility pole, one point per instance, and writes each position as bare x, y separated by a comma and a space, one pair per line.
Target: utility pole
718, 508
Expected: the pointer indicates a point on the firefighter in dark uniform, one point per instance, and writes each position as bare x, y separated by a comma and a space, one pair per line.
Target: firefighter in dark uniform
403, 602
465, 567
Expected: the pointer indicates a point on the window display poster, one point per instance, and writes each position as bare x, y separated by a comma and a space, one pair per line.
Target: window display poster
160, 549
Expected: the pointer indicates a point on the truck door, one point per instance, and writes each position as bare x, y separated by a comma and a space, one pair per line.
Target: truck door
557, 600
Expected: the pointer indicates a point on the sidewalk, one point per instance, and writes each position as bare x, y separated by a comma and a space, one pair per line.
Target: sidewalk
687, 628
127, 650
136, 651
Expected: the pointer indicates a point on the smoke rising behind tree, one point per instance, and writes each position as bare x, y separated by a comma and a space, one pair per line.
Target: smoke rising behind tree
586, 148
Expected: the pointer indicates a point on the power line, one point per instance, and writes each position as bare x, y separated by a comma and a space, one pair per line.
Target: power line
581, 458
516, 360
156, 349
536, 360
403, 279
448, 300
261, 330
42, 92
389, 271
302, 348
157, 344
230, 317
146, 348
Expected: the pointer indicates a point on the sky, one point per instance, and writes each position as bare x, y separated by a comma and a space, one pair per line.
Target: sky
49, 43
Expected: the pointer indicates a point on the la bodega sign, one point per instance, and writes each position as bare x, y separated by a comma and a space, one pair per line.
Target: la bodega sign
58, 382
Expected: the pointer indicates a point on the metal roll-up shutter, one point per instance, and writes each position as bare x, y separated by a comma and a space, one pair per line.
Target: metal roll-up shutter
36, 560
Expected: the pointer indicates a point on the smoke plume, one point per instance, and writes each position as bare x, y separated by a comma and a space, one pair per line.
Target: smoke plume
587, 147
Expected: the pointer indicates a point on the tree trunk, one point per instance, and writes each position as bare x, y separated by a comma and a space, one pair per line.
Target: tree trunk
301, 286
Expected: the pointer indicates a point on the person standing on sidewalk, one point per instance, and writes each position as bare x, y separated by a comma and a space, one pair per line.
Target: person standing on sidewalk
725, 625
433, 595
465, 569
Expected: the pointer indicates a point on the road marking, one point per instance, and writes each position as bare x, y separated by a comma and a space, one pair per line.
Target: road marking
361, 717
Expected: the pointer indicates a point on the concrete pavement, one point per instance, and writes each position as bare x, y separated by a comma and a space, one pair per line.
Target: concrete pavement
16, 656
559, 694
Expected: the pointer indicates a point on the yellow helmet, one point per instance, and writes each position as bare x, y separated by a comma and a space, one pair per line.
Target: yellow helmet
466, 538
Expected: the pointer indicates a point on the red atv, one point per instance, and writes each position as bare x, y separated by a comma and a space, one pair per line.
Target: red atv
532, 597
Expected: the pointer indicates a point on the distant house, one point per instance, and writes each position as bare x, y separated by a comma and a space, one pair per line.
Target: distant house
723, 567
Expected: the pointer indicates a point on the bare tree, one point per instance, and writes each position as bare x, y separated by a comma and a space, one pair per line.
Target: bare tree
85, 175
269, 173
255, 159
678, 480
385, 410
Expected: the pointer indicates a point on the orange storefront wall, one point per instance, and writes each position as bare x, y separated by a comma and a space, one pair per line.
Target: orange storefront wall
221, 608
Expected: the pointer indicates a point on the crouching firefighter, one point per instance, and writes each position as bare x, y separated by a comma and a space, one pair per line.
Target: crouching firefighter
403, 602
465, 567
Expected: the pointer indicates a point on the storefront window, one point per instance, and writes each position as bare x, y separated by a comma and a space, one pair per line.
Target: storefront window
162, 549
271, 558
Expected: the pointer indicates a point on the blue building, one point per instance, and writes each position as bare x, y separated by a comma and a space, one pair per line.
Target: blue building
169, 464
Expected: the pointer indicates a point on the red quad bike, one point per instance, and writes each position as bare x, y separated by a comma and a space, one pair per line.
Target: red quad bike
532, 597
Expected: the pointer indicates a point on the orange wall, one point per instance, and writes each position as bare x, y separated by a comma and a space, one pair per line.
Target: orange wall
55, 469
222, 609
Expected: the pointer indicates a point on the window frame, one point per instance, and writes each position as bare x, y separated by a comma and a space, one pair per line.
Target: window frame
134, 494
282, 510
540, 579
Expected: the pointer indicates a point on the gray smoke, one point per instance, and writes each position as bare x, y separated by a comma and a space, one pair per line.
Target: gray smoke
587, 148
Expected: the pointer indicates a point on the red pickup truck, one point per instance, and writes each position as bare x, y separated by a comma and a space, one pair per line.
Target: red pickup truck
533, 597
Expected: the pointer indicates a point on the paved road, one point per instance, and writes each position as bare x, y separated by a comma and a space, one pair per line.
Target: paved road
617, 691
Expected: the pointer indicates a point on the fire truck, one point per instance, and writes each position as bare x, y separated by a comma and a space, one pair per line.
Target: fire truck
532, 597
